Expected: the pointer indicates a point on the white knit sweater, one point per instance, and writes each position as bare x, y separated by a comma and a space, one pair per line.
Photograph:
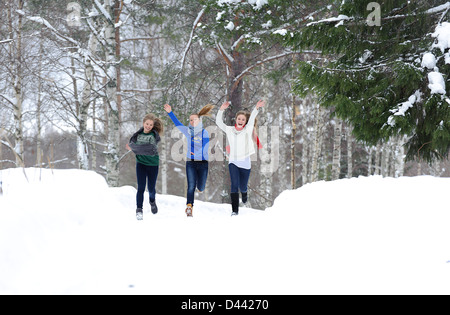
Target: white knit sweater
241, 143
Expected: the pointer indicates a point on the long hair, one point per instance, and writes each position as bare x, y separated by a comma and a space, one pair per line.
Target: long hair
247, 116
255, 129
205, 111
157, 123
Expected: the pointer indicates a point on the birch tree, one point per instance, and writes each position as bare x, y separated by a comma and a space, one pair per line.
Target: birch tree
234, 29
15, 23
110, 68
349, 137
68, 98
317, 147
336, 168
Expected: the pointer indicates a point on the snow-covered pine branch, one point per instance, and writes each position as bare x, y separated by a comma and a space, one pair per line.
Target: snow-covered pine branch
228, 58
237, 43
341, 18
279, 30
269, 59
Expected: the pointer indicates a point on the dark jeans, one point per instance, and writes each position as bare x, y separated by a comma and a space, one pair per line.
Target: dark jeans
239, 178
146, 174
197, 174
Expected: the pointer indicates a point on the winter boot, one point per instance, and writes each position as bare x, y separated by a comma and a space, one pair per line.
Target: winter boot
139, 214
154, 207
245, 202
189, 210
235, 203
244, 198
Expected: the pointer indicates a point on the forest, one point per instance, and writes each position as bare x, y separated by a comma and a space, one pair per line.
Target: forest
352, 87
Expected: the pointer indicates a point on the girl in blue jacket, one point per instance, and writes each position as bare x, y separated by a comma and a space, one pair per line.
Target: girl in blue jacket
197, 154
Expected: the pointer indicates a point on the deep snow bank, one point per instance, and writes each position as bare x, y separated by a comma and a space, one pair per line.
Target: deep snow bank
66, 232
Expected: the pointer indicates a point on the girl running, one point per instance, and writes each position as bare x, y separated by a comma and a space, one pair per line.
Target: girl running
144, 143
197, 155
240, 138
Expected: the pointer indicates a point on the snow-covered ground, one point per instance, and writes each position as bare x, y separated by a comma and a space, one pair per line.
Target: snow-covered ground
66, 232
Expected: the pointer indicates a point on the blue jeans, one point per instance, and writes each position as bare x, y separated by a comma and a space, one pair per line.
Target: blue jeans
197, 174
146, 174
239, 178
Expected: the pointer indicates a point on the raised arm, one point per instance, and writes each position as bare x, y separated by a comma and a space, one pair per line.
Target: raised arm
175, 120
172, 116
219, 116
251, 121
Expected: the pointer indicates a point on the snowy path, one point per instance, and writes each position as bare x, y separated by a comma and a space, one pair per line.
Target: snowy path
68, 233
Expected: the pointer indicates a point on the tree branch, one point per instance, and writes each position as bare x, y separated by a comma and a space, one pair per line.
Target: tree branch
261, 62
141, 38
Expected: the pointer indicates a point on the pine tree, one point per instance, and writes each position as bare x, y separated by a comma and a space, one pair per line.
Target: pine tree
247, 34
375, 71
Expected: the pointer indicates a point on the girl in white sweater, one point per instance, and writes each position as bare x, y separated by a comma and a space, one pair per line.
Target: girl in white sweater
240, 139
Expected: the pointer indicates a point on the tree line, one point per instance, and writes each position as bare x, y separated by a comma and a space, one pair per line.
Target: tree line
346, 97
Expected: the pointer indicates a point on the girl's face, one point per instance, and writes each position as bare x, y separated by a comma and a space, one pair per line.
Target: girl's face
241, 120
148, 126
194, 120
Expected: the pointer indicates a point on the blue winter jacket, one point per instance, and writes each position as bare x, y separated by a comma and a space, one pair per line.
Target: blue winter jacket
199, 139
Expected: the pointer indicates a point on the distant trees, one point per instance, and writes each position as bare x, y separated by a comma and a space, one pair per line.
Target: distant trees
78, 76
378, 75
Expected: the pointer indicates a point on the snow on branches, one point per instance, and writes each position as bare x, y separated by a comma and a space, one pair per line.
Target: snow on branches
257, 4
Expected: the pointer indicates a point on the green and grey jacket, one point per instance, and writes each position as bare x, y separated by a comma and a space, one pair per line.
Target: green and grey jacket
145, 146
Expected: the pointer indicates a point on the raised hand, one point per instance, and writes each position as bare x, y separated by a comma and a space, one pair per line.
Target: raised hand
225, 105
261, 104
168, 108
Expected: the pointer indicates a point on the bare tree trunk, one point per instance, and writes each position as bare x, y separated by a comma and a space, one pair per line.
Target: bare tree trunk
1, 152
385, 160
400, 157
305, 140
16, 53
369, 161
112, 152
82, 149
116, 16
293, 136
94, 135
377, 159
268, 156
164, 168
317, 144
39, 107
349, 152
336, 168
393, 156
436, 169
